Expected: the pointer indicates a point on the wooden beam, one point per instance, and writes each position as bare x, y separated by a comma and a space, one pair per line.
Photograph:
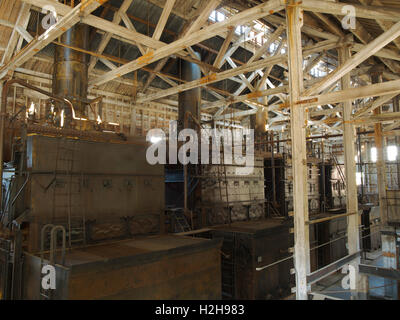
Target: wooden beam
216, 77
295, 21
75, 15
23, 17
219, 59
265, 47
191, 39
130, 36
105, 38
374, 104
357, 59
385, 25
169, 4
330, 25
367, 12
352, 94
364, 36
251, 96
349, 138
314, 62
202, 17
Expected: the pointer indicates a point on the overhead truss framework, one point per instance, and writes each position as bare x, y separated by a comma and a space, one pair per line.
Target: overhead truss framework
247, 74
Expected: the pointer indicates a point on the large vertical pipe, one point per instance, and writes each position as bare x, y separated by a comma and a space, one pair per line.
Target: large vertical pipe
190, 100
70, 74
259, 120
189, 103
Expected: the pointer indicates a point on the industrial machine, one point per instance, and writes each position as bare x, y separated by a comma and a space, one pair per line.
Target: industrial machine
80, 197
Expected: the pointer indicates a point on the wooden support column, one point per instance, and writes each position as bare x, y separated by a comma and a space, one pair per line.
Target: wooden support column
133, 121
353, 221
294, 18
390, 260
142, 121
376, 77
396, 108
386, 237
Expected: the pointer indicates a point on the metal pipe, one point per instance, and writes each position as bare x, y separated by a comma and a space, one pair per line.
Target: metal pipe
185, 175
336, 216
3, 113
70, 72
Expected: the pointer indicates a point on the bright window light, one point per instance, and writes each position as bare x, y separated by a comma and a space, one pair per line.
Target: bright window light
62, 118
238, 30
374, 154
392, 153
32, 108
258, 26
213, 16
220, 16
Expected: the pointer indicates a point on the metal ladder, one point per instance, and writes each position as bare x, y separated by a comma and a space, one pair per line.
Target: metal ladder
223, 177
69, 201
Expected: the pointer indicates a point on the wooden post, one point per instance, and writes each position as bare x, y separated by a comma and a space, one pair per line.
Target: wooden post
142, 120
294, 18
133, 121
353, 221
387, 245
376, 77
390, 258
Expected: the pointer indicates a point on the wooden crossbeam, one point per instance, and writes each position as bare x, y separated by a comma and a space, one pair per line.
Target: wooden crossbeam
384, 88
23, 17
191, 39
105, 38
201, 16
221, 53
73, 17
374, 104
368, 12
216, 77
163, 19
357, 59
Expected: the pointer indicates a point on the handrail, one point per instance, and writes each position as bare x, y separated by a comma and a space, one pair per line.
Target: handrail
53, 244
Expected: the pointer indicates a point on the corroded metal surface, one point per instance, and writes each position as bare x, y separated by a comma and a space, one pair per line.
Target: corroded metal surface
110, 185
160, 267
250, 245
190, 100
70, 77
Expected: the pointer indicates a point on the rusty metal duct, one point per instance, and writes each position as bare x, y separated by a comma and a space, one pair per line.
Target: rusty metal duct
70, 75
259, 120
189, 100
